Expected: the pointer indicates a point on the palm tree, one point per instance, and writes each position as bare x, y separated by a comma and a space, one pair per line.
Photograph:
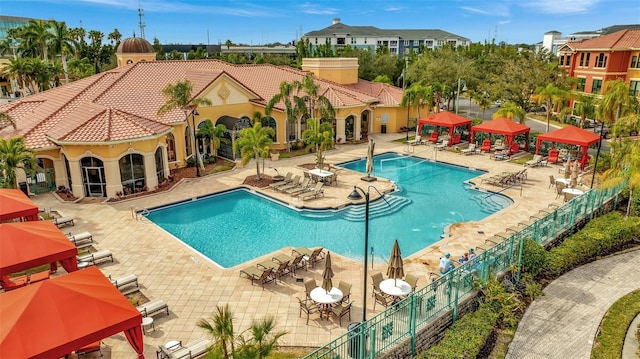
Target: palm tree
585, 107
318, 136
220, 328
14, 154
510, 110
37, 34
318, 104
625, 168
482, 100
6, 119
286, 95
549, 96
419, 96
253, 143
213, 135
178, 96
61, 43
262, 340
616, 101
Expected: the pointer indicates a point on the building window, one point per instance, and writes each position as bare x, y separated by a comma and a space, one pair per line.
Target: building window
393, 43
561, 60
406, 42
581, 59
428, 43
601, 60
159, 165
132, 173
365, 40
634, 88
340, 41
586, 62
635, 64
327, 40
393, 50
353, 41
581, 83
379, 42
596, 87
316, 41
567, 60
171, 148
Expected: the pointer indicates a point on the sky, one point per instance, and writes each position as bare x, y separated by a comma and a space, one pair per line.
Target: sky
257, 22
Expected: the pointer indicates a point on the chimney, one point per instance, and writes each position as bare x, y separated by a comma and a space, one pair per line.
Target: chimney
336, 20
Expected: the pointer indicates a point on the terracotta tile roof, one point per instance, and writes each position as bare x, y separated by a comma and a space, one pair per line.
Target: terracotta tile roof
122, 103
621, 40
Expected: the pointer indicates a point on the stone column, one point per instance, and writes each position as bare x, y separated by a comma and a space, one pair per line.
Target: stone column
75, 170
112, 177
340, 130
151, 178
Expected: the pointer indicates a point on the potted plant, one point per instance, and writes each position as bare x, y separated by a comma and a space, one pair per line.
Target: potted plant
275, 156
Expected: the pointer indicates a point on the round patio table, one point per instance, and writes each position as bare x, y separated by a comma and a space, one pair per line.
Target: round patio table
325, 299
395, 287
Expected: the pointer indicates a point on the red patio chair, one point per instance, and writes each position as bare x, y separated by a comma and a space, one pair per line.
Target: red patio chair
456, 139
486, 146
515, 148
15, 282
553, 156
434, 137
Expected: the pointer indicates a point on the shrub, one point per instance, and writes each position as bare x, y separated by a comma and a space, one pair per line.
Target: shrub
602, 236
614, 326
534, 257
191, 162
466, 337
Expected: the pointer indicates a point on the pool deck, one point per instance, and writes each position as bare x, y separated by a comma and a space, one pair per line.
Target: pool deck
193, 286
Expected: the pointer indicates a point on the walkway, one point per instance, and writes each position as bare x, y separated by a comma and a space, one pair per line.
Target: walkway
564, 322
193, 286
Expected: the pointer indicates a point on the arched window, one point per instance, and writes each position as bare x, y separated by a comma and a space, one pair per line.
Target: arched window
601, 60
364, 123
187, 140
272, 124
132, 173
348, 127
159, 165
171, 148
93, 177
303, 123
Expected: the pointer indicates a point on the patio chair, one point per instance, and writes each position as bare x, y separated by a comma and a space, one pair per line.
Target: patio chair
553, 156
297, 263
443, 145
153, 306
299, 187
63, 221
552, 181
279, 268
192, 350
286, 180
559, 188
308, 307
345, 288
433, 138
376, 279
315, 255
515, 148
537, 159
80, 238
567, 196
295, 182
97, 257
262, 276
486, 146
498, 144
563, 154
456, 139
309, 285
469, 150
314, 193
341, 310
415, 141
412, 280
383, 300
125, 281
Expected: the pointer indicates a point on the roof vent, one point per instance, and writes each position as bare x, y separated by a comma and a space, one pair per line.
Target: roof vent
336, 20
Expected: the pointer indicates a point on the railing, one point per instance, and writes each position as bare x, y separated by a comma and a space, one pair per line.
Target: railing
400, 321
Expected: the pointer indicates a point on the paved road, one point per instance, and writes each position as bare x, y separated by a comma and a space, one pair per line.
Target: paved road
564, 322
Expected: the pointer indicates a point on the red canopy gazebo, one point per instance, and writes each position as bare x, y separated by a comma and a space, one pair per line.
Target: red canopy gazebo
502, 126
571, 135
15, 204
445, 119
51, 319
25, 245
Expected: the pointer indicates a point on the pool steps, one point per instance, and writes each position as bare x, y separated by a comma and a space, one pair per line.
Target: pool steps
378, 208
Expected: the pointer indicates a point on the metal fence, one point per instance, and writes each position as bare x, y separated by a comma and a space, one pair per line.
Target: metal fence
400, 321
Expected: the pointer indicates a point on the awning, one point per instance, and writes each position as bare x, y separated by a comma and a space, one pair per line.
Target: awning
571, 135
15, 204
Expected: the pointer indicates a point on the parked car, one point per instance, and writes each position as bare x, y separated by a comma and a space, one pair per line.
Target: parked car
499, 103
602, 130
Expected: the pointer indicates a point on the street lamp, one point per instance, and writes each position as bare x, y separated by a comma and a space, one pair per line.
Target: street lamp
355, 196
404, 88
195, 146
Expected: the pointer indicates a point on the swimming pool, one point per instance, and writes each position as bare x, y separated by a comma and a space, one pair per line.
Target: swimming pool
239, 225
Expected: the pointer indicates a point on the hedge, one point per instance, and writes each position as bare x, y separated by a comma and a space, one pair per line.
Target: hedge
466, 337
602, 236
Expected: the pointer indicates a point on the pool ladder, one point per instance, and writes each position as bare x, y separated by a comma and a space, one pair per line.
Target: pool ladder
139, 213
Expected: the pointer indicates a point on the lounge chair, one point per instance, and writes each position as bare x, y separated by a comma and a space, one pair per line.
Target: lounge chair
443, 145
553, 156
469, 150
287, 179
125, 281
194, 349
537, 159
416, 141
152, 307
315, 255
99, 256
279, 268
14, 283
299, 188
39, 276
63, 221
91, 348
256, 274
316, 192
80, 238
486, 146
295, 182
433, 138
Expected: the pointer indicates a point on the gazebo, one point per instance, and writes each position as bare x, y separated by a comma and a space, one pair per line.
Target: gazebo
571, 135
502, 126
445, 119
52, 318
25, 245
16, 205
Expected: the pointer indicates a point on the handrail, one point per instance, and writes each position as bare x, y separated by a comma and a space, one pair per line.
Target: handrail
504, 189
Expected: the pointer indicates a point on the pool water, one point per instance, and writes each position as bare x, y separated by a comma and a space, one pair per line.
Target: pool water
239, 225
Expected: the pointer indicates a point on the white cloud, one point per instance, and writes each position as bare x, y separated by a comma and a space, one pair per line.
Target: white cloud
246, 10
563, 7
394, 8
317, 9
490, 9
477, 11
504, 22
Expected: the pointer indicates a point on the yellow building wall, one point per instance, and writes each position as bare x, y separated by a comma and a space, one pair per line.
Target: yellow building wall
633, 74
132, 58
342, 70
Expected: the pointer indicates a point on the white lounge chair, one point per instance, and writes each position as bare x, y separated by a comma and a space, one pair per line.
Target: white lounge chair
63, 221
125, 281
443, 145
469, 150
80, 238
536, 161
99, 256
152, 307
192, 350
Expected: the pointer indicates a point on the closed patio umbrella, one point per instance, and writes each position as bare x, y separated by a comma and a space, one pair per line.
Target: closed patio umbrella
327, 284
369, 164
395, 269
574, 174
567, 170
